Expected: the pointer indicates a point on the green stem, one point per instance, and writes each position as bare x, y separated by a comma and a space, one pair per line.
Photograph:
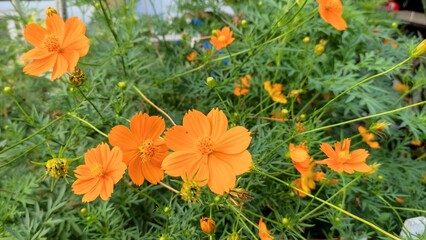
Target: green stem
245, 218
363, 118
152, 104
87, 123
20, 155
332, 205
32, 135
360, 83
29, 119
91, 103
223, 103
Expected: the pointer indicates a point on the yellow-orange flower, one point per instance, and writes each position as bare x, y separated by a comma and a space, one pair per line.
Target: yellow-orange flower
222, 39
331, 11
207, 225
300, 157
341, 160
242, 88
264, 233
143, 148
102, 169
191, 56
59, 46
368, 137
306, 181
205, 151
275, 91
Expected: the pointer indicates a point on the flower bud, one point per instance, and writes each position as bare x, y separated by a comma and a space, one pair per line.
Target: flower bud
306, 40
243, 23
207, 225
7, 90
419, 50
211, 83
285, 221
319, 49
190, 191
233, 236
394, 25
260, 4
83, 211
50, 11
121, 85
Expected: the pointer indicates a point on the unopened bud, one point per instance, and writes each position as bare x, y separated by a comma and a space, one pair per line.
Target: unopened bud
420, 49
211, 83
394, 25
306, 40
7, 90
319, 49
77, 77
243, 23
207, 225
50, 11
121, 85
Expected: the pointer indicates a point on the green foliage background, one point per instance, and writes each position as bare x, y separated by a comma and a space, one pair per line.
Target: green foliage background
270, 47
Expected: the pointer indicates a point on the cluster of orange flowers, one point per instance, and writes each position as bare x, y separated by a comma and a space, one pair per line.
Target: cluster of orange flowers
340, 159
204, 150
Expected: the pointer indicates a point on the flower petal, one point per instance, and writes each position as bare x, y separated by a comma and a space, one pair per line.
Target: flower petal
36, 53
197, 123
74, 28
146, 127
107, 188
135, 172
55, 25
181, 163
40, 66
60, 67
235, 140
34, 34
178, 138
218, 122
152, 173
221, 176
122, 137
240, 163
93, 193
72, 59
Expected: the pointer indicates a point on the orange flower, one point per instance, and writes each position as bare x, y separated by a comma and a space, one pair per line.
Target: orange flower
102, 169
306, 181
319, 176
222, 39
191, 56
331, 12
368, 137
300, 157
208, 225
205, 151
59, 46
264, 233
275, 91
242, 88
143, 149
340, 159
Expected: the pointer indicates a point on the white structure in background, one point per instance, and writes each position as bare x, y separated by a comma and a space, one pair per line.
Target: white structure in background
414, 228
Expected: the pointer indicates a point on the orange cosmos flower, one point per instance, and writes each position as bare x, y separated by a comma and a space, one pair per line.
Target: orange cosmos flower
300, 157
340, 159
306, 181
143, 149
102, 169
205, 151
331, 12
59, 46
242, 88
368, 137
191, 56
264, 233
222, 39
275, 91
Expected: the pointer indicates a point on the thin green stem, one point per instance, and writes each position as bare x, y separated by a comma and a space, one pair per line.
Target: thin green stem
87, 123
223, 102
91, 103
243, 222
366, 117
331, 205
360, 83
32, 135
152, 104
22, 154
29, 119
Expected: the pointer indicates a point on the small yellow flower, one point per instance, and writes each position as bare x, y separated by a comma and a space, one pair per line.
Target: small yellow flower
379, 126
121, 85
275, 91
319, 49
190, 191
57, 167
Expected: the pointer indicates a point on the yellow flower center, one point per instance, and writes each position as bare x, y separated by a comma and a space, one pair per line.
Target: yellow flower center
205, 145
147, 150
51, 42
344, 156
97, 171
222, 38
